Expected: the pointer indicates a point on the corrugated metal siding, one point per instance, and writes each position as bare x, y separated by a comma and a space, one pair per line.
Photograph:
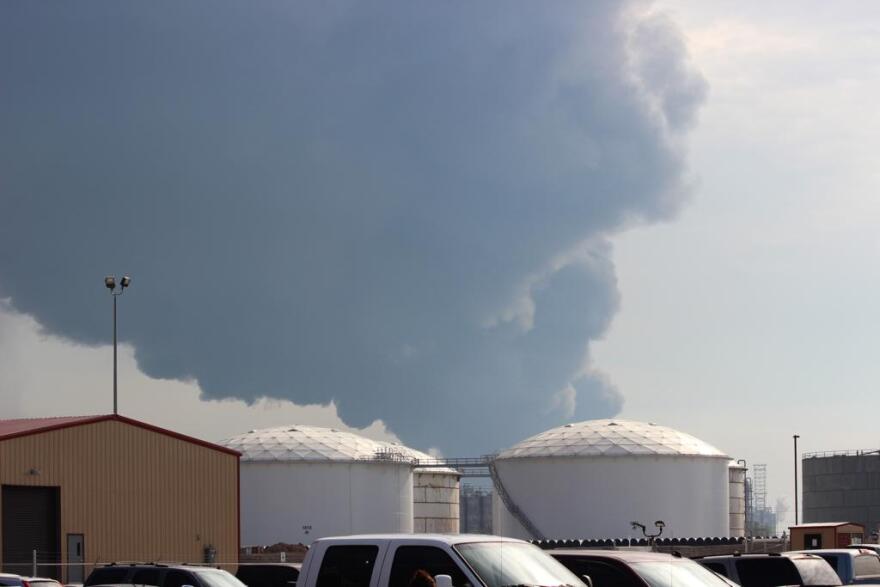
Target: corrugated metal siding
134, 493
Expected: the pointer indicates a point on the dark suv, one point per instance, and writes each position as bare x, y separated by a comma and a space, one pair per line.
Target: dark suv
773, 570
160, 575
621, 568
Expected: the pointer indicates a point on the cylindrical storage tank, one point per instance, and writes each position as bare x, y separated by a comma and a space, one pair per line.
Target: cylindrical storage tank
436, 507
300, 483
737, 491
591, 479
842, 487
436, 501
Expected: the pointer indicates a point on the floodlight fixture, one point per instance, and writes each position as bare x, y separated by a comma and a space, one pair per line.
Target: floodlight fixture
660, 524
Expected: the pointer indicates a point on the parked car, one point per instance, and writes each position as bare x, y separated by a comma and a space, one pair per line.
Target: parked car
460, 560
630, 568
8, 580
773, 570
268, 574
160, 575
872, 547
852, 565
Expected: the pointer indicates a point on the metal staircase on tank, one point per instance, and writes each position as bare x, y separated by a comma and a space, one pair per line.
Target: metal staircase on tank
511, 506
479, 467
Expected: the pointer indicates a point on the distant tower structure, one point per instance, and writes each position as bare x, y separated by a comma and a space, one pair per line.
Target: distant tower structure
759, 482
761, 520
476, 510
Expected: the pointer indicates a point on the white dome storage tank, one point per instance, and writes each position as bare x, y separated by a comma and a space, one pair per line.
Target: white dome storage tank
591, 479
299, 483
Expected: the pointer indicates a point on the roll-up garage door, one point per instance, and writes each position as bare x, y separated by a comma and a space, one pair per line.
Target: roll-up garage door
31, 521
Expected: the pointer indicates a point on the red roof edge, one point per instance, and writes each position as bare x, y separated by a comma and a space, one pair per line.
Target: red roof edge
125, 420
826, 525
176, 435
48, 424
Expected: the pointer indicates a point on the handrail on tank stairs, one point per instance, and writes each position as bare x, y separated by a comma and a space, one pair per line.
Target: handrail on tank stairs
511, 506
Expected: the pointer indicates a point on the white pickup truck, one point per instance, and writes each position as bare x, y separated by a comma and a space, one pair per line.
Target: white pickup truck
393, 560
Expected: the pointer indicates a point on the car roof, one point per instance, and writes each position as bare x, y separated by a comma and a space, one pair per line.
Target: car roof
800, 555
716, 557
621, 555
158, 565
846, 551
269, 564
444, 538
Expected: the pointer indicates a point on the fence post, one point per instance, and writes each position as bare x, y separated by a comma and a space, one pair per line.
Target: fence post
33, 563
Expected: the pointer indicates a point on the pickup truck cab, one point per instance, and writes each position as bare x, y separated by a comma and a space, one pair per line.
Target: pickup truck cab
393, 560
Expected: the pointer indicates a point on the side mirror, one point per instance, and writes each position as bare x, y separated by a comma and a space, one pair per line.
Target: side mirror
588, 581
443, 580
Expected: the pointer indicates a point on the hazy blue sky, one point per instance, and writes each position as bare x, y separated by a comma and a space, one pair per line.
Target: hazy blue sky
753, 315
461, 224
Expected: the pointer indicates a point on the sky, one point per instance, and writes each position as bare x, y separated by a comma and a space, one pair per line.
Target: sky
451, 225
752, 316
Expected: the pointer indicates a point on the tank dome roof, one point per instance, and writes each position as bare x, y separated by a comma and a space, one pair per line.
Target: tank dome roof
314, 443
615, 437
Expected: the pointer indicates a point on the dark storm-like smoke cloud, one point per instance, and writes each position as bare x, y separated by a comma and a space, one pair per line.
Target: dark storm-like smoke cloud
401, 206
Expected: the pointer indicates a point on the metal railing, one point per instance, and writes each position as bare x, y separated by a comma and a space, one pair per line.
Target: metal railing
841, 453
511, 506
467, 466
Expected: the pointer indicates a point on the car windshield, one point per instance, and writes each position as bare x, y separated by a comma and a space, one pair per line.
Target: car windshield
678, 573
219, 578
500, 564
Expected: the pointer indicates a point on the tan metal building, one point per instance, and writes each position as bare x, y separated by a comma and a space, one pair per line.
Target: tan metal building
88, 490
826, 535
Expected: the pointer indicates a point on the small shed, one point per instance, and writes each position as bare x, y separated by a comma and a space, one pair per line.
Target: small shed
826, 535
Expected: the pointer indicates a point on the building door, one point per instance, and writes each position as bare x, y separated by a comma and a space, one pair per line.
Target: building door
31, 522
812, 541
75, 556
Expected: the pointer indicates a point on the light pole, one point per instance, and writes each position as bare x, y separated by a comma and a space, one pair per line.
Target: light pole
795, 481
110, 282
